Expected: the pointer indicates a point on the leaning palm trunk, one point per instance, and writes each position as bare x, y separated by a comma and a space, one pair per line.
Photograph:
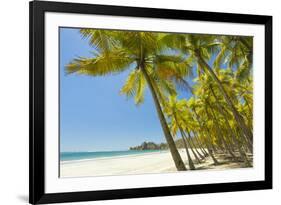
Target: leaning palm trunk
242, 153
250, 115
237, 116
173, 149
190, 162
207, 139
220, 135
193, 146
216, 148
210, 151
202, 148
192, 149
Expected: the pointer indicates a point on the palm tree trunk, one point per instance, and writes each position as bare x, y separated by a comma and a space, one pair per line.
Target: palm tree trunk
250, 115
196, 148
211, 153
193, 146
228, 125
237, 116
220, 135
190, 162
172, 146
248, 106
192, 150
185, 139
241, 152
208, 141
199, 142
215, 149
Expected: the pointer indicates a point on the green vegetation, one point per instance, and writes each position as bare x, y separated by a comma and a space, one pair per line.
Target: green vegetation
215, 70
150, 146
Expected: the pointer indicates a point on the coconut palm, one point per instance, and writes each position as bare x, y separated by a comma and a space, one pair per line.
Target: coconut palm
175, 111
140, 52
216, 111
235, 51
200, 48
218, 116
194, 105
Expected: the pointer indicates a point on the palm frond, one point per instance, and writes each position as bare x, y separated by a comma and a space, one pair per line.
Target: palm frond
100, 39
135, 86
129, 88
103, 64
141, 85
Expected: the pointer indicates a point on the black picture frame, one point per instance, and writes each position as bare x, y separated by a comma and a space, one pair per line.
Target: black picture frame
37, 193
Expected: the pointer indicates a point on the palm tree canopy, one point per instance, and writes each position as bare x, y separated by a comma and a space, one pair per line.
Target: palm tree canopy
115, 52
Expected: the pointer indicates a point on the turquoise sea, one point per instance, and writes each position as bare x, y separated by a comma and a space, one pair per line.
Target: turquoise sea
69, 156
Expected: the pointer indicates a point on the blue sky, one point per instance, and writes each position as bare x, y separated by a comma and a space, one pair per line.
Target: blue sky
93, 115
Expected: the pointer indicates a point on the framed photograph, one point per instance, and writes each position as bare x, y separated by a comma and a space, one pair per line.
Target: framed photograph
130, 102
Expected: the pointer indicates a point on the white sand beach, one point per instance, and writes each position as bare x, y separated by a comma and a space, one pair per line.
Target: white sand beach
156, 162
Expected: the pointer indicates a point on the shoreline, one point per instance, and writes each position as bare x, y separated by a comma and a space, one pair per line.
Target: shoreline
144, 163
112, 157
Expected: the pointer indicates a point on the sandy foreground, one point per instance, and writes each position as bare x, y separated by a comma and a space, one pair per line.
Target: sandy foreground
157, 162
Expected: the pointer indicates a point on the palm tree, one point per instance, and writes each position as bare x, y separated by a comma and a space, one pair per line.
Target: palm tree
214, 109
174, 110
142, 53
200, 48
200, 144
204, 131
190, 140
217, 118
235, 51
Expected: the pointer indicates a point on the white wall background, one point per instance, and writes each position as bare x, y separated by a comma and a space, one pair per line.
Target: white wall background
14, 44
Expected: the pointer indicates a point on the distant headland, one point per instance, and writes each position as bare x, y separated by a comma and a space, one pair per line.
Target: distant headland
150, 146
162, 146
